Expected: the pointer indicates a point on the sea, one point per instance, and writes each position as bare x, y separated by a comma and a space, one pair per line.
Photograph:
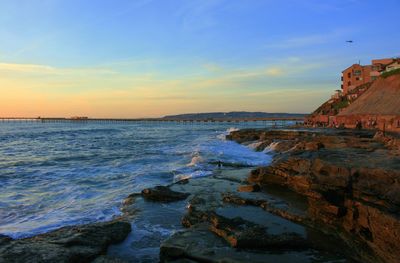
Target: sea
70, 173
60, 174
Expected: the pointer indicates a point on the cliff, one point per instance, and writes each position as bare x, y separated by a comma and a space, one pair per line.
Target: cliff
382, 98
375, 105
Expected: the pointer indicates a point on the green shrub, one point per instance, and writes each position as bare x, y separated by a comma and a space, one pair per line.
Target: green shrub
390, 73
342, 104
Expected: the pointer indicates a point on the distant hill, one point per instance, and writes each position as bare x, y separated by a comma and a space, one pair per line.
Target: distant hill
231, 115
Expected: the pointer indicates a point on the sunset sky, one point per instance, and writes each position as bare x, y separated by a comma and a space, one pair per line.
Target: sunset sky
147, 58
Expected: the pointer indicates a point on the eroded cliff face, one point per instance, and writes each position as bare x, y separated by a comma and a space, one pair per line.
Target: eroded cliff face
351, 181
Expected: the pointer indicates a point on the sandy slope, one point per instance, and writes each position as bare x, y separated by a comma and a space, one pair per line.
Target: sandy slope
383, 97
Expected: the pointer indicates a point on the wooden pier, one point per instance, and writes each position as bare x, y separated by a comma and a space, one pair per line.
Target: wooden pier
270, 121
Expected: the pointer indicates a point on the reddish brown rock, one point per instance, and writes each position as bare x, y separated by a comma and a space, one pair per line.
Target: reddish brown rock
352, 182
249, 188
240, 233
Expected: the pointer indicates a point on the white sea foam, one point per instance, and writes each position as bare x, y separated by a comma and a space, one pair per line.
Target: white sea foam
271, 147
194, 174
232, 129
254, 145
227, 132
196, 160
232, 152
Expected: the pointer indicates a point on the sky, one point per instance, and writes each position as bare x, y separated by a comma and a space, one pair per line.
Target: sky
149, 58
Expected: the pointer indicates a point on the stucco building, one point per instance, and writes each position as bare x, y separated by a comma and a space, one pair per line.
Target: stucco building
354, 76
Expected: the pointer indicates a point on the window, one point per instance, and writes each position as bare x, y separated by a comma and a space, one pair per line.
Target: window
357, 78
357, 72
342, 78
349, 83
349, 75
375, 68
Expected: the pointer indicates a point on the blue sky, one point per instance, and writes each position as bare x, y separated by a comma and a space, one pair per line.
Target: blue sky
150, 58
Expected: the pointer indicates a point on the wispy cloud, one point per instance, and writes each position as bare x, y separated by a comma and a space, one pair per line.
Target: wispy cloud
274, 72
49, 70
31, 68
308, 40
283, 68
198, 14
212, 67
105, 91
326, 6
284, 91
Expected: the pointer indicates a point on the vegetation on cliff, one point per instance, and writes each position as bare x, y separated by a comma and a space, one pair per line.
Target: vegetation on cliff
391, 73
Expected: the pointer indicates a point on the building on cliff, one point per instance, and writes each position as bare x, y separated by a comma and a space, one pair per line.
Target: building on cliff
395, 64
357, 75
354, 76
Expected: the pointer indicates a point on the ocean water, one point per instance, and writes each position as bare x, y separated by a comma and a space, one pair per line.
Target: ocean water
58, 174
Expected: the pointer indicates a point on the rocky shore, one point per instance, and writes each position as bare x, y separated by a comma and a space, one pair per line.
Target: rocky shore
350, 180
328, 196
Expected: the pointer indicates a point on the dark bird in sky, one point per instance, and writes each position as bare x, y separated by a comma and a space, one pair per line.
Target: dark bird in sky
349, 41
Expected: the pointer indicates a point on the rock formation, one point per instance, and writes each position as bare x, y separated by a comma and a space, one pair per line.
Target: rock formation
163, 194
351, 181
85, 243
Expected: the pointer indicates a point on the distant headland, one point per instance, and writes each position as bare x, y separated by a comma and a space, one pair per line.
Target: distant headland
233, 115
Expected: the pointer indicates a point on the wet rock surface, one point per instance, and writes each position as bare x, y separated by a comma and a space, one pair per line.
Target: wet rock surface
226, 225
249, 188
240, 233
83, 243
163, 194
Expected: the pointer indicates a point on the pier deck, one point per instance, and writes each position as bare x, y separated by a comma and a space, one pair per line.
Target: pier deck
278, 121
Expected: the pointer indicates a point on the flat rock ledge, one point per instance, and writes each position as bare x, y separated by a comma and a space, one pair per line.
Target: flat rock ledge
225, 224
75, 244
